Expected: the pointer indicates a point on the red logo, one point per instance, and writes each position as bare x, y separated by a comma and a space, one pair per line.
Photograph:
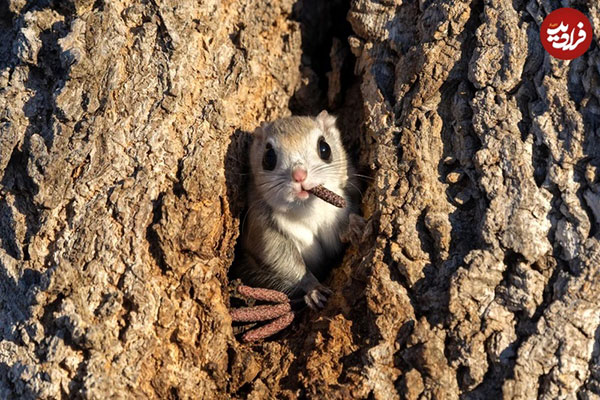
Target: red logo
566, 33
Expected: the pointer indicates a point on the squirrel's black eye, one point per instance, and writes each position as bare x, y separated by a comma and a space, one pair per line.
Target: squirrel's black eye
324, 149
269, 159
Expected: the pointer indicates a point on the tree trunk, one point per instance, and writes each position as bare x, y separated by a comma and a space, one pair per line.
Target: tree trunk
123, 140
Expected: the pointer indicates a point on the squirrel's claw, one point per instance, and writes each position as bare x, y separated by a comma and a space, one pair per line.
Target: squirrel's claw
316, 298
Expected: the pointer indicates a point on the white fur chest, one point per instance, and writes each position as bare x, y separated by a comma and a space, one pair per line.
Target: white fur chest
314, 229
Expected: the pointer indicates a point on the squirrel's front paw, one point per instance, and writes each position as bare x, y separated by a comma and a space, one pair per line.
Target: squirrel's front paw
316, 297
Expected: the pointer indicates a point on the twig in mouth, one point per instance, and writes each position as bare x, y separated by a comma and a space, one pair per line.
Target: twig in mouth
327, 195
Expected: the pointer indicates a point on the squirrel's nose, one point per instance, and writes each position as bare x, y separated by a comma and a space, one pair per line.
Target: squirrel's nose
299, 174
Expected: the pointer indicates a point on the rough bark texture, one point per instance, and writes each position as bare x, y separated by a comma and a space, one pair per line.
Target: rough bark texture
122, 170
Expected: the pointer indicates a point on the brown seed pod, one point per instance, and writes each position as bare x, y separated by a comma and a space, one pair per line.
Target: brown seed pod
273, 296
328, 196
269, 329
260, 313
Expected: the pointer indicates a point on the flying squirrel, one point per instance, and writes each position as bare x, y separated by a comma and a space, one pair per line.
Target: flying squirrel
290, 238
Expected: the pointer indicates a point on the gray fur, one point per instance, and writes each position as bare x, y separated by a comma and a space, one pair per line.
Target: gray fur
287, 243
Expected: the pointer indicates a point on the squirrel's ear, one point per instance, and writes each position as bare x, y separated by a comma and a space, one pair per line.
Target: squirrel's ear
325, 120
259, 132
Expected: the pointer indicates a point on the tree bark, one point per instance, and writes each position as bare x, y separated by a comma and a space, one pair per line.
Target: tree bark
123, 140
